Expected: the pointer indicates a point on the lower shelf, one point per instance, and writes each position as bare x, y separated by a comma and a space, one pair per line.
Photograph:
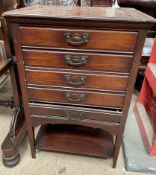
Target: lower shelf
75, 139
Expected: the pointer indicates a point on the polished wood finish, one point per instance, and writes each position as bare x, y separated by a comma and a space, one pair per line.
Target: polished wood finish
91, 14
94, 61
81, 80
79, 41
96, 40
74, 113
79, 97
67, 138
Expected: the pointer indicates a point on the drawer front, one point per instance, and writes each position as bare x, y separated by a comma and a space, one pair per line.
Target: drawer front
78, 39
77, 80
74, 113
76, 97
69, 60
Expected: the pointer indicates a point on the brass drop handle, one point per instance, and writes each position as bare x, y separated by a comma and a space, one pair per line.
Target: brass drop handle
75, 61
76, 39
75, 80
74, 96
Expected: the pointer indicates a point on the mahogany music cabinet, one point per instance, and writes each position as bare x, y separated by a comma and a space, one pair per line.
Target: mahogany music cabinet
77, 68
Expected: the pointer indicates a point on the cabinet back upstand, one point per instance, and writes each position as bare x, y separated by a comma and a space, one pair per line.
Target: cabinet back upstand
77, 68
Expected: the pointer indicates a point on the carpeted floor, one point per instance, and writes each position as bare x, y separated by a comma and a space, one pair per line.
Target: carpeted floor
48, 163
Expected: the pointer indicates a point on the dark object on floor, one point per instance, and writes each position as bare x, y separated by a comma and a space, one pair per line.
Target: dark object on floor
13, 140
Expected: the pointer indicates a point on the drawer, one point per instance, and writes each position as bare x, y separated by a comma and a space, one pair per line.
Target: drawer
69, 60
77, 80
76, 97
73, 113
78, 39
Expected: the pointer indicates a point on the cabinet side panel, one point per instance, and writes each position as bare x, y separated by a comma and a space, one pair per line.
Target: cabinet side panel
19, 58
129, 91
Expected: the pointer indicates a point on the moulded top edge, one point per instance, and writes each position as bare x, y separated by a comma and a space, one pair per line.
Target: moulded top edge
82, 13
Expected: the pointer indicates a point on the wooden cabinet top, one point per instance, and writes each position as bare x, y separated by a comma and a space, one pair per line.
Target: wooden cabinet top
90, 14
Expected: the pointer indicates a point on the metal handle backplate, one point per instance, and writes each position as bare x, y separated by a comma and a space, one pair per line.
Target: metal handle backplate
78, 115
75, 80
75, 61
76, 39
74, 96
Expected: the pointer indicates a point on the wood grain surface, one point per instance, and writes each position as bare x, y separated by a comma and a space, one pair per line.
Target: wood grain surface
74, 113
78, 80
95, 14
67, 138
97, 40
94, 61
76, 97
